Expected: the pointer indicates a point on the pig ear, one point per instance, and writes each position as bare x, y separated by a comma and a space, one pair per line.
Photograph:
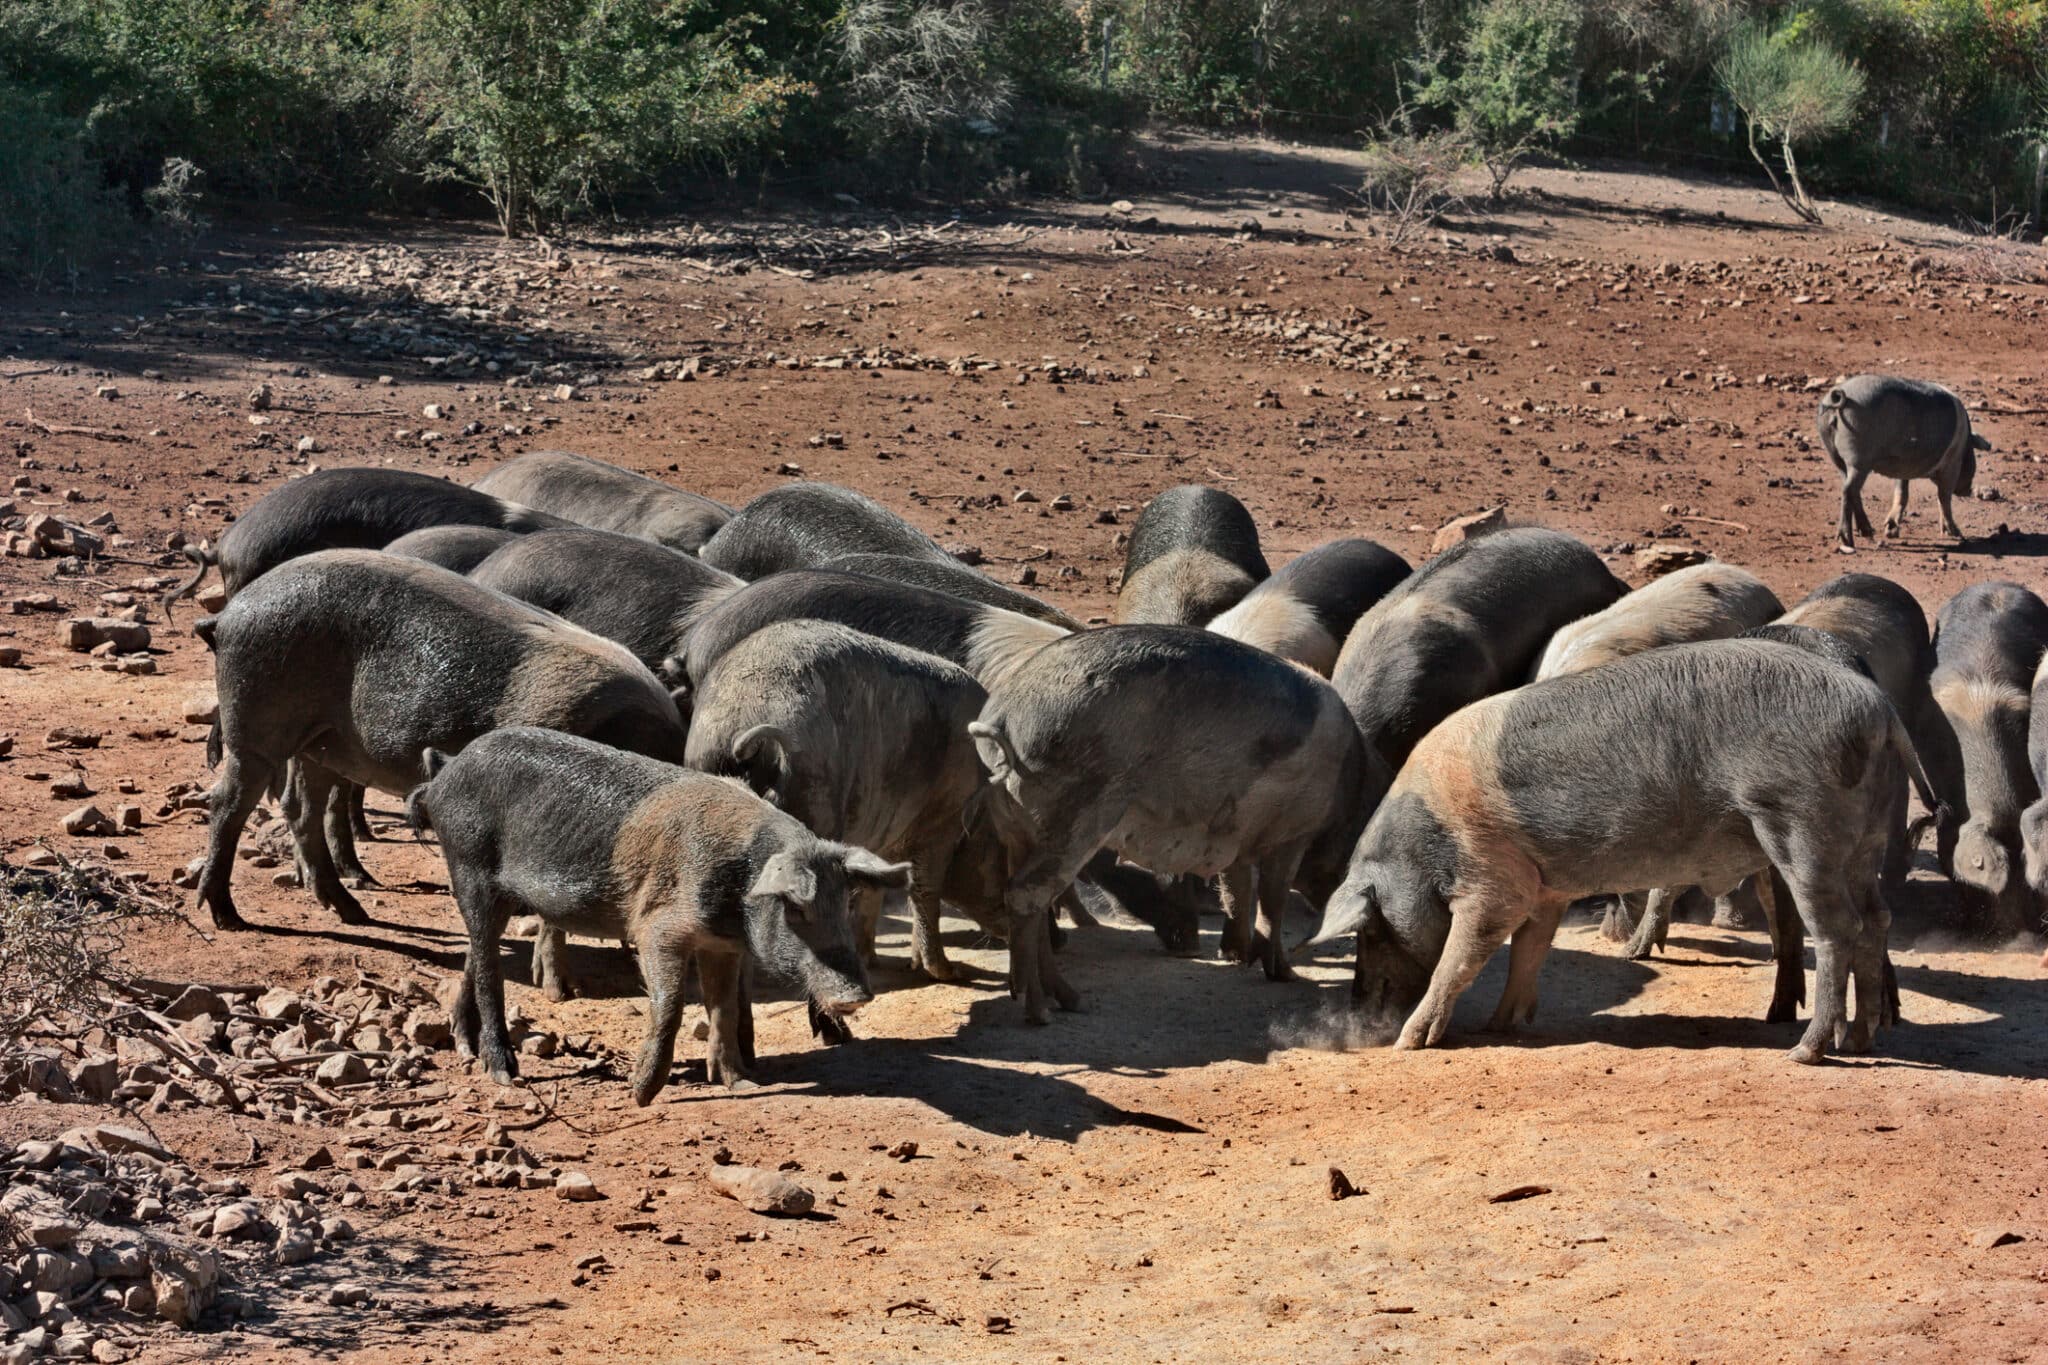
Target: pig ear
785, 877
863, 866
1350, 919
994, 747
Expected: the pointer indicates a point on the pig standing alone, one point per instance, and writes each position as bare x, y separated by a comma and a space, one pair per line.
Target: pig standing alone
1193, 555
1904, 429
677, 863
1988, 642
1304, 611
1696, 764
346, 509
1468, 623
1182, 750
863, 741
355, 662
592, 493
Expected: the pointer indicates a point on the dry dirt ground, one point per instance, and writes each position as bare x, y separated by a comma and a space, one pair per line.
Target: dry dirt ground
1623, 355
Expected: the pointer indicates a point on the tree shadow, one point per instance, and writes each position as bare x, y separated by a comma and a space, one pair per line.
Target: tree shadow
407, 1280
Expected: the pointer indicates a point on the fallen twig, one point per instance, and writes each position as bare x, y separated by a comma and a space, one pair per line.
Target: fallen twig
1716, 521
65, 429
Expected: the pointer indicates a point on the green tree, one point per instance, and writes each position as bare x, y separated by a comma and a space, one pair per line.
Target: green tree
541, 107
1516, 90
1793, 88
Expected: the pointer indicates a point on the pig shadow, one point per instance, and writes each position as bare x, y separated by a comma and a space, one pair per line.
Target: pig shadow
2005, 1043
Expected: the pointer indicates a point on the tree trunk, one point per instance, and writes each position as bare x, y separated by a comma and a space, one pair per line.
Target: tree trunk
1803, 205
1749, 126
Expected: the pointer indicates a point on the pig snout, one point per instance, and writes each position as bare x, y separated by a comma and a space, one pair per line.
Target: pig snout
1982, 861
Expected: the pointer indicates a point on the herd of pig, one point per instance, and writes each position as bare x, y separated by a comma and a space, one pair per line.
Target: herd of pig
729, 736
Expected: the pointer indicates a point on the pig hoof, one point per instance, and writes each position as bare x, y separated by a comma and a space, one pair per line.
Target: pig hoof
1807, 1054
1842, 549
937, 968
360, 880
229, 918
349, 912
505, 1076
741, 1085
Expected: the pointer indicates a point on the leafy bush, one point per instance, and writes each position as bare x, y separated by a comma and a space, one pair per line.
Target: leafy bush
1791, 87
1517, 85
543, 107
57, 211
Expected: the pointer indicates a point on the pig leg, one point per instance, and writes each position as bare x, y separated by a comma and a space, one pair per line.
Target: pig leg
1654, 925
1077, 912
317, 811
1854, 518
1236, 885
243, 779
666, 967
723, 1063
358, 822
927, 875
1788, 947
1898, 512
1029, 898
1525, 959
1943, 492
1276, 884
479, 1011
1476, 932
1834, 921
549, 966
344, 810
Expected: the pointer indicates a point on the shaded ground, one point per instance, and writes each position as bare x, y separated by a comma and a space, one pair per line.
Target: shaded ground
1145, 1180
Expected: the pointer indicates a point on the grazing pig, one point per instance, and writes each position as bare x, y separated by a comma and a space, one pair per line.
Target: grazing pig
1904, 429
806, 525
635, 591
1697, 764
592, 493
1304, 611
346, 509
1882, 625
1988, 644
951, 576
865, 742
1184, 751
1193, 555
457, 549
1705, 602
354, 662
1467, 624
986, 641
594, 841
